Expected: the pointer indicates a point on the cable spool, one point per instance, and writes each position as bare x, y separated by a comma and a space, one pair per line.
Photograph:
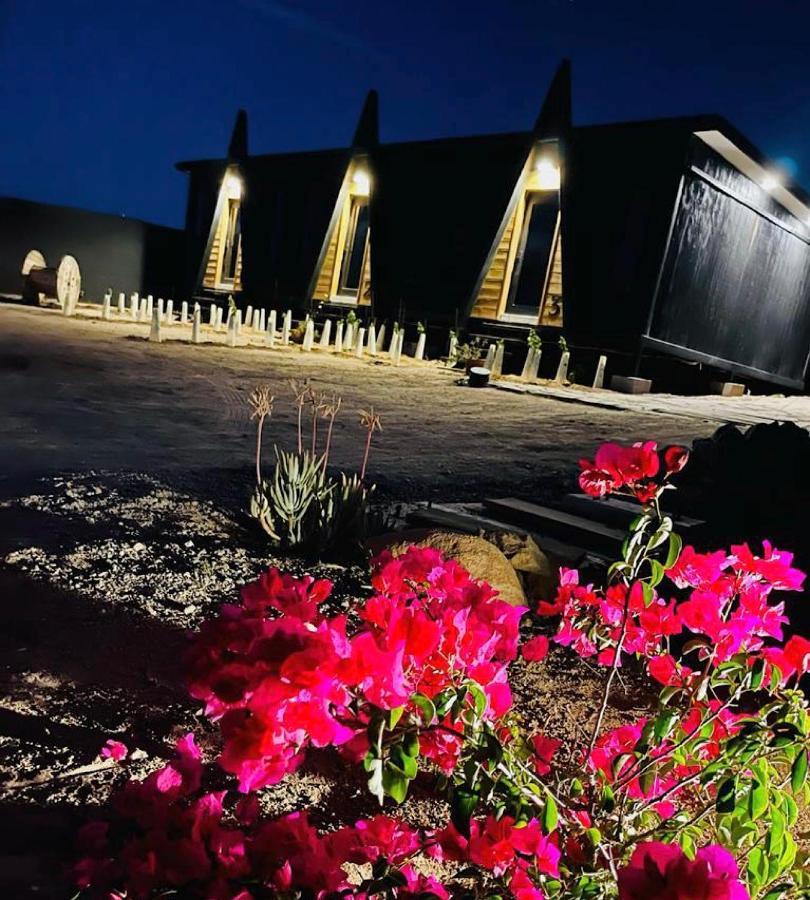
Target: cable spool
40, 282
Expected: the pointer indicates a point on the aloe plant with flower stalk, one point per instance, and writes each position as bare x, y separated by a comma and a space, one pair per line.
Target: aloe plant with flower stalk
301, 506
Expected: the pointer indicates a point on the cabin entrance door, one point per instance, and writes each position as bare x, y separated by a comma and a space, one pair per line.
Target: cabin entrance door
354, 251
534, 253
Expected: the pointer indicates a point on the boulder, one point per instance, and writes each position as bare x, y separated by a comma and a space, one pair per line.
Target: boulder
535, 570
480, 557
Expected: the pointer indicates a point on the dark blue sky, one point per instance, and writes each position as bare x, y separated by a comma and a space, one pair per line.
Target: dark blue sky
99, 100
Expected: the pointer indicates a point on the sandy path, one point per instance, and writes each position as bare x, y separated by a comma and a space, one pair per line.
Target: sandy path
85, 394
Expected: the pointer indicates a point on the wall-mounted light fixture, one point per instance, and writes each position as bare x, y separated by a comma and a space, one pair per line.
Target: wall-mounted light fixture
548, 174
233, 186
770, 181
362, 182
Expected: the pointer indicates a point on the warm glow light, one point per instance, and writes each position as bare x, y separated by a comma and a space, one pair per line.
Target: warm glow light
548, 175
362, 183
233, 186
770, 182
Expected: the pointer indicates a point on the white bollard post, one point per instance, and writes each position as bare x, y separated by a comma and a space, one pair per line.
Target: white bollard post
256, 321
133, 306
562, 368
271, 328
154, 331
339, 337
233, 327
262, 320
489, 362
392, 347
238, 322
170, 311
400, 340
249, 316
143, 315
309, 335
361, 343
196, 325
452, 345
285, 328
105, 306
218, 319
184, 312
381, 338
160, 309
122, 304
420, 347
326, 333
212, 315
529, 362
599, 377
497, 367
150, 305
372, 340
348, 337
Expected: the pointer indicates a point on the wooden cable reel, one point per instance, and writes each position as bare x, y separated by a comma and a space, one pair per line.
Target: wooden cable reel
63, 283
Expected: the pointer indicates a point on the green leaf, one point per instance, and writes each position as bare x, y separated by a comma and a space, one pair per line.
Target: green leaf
394, 716
410, 744
647, 592
674, 550
550, 815
462, 807
726, 795
402, 763
798, 772
425, 706
757, 674
656, 572
479, 698
757, 867
757, 800
664, 723
395, 784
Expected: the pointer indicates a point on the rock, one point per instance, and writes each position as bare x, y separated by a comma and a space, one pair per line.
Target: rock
536, 572
480, 557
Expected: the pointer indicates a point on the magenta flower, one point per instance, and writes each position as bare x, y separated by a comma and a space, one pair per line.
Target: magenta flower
114, 750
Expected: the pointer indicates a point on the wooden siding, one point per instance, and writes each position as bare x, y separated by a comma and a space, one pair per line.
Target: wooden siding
323, 286
488, 303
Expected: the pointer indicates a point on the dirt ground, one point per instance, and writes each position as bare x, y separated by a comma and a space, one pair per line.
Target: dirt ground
125, 469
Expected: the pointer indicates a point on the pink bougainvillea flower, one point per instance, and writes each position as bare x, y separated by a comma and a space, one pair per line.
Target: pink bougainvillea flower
544, 750
792, 660
114, 750
523, 888
675, 459
774, 566
659, 871
535, 649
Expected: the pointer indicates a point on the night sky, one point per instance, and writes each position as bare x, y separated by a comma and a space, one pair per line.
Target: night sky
99, 100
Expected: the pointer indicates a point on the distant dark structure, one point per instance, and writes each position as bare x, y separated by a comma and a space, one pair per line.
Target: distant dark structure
112, 251
662, 237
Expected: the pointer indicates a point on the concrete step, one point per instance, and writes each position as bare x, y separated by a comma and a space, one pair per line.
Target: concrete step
557, 523
619, 513
476, 521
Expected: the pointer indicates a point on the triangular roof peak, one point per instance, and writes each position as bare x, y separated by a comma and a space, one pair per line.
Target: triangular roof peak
367, 132
554, 119
238, 146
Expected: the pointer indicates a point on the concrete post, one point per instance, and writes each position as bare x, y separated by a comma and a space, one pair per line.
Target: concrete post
218, 318
452, 345
150, 305
154, 331
372, 340
400, 340
348, 337
326, 333
599, 377
249, 317
184, 313
381, 338
262, 320
143, 315
196, 325
309, 335
233, 328
285, 328
361, 343
122, 303
489, 362
271, 329
562, 368
392, 346
170, 311
497, 366
105, 306
212, 315
420, 346
133, 306
339, 337
161, 313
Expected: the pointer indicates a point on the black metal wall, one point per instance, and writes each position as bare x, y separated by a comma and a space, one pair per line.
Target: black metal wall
735, 287
112, 251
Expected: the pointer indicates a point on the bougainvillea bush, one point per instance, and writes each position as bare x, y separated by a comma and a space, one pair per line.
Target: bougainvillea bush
696, 800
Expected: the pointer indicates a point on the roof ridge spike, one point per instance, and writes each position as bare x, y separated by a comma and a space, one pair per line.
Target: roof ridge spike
367, 132
238, 146
554, 119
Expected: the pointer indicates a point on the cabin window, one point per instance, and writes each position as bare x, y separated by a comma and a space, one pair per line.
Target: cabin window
534, 254
351, 270
233, 237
